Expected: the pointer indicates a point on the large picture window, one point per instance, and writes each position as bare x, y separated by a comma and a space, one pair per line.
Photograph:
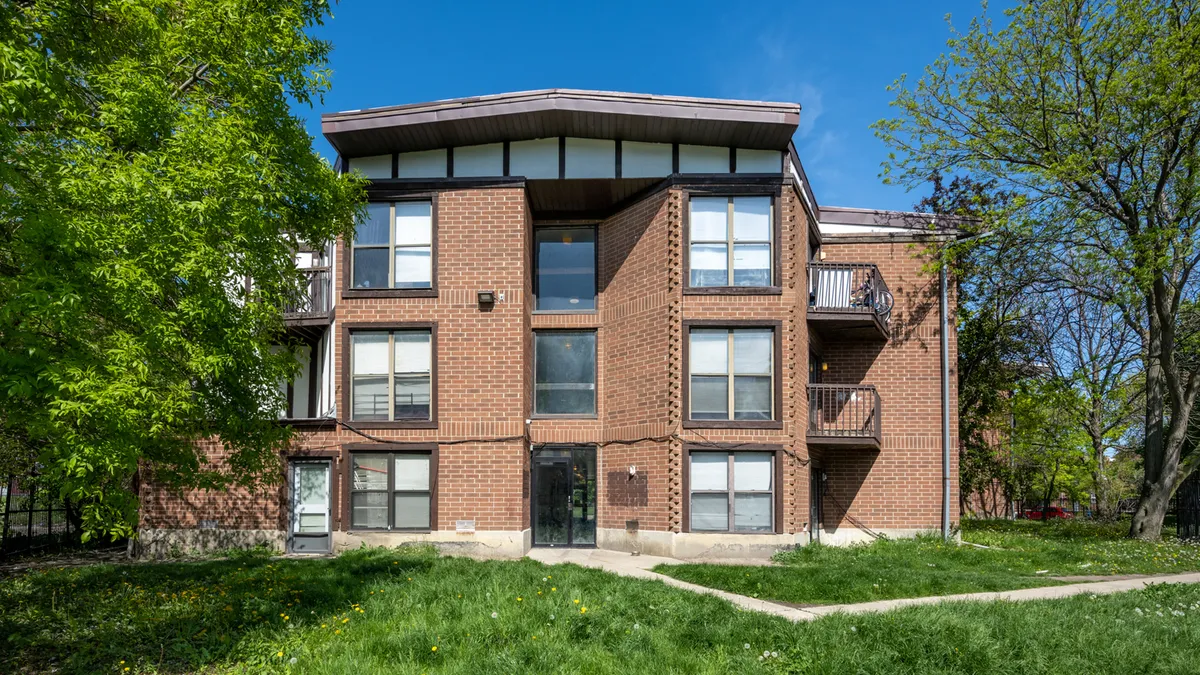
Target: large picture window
565, 280
731, 242
732, 492
564, 373
391, 491
732, 373
393, 247
391, 375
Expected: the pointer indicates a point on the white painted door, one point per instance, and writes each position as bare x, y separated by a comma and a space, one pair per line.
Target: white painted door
310, 507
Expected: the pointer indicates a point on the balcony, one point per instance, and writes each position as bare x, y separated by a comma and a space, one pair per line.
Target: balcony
844, 416
309, 313
848, 301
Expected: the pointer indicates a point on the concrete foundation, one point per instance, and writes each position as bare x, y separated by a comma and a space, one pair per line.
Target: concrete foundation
164, 543
486, 544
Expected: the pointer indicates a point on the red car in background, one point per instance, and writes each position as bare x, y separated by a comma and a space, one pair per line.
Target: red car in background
1050, 513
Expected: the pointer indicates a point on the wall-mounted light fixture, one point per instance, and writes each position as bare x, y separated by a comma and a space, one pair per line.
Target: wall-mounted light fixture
486, 298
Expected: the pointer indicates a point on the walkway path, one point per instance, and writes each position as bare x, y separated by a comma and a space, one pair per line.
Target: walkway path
627, 565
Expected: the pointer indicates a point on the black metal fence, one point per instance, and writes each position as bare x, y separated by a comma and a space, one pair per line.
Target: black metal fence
844, 411
316, 296
1187, 508
34, 518
848, 287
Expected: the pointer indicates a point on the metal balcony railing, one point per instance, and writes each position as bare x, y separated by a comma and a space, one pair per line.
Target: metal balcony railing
316, 297
848, 288
844, 412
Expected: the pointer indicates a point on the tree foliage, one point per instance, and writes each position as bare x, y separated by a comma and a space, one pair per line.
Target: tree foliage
1089, 112
151, 166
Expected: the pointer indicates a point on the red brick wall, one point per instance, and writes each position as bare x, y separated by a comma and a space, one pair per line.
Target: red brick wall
484, 377
901, 485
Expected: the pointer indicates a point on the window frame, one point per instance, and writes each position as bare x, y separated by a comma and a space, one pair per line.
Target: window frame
776, 421
348, 247
347, 379
733, 449
776, 218
595, 228
390, 450
533, 413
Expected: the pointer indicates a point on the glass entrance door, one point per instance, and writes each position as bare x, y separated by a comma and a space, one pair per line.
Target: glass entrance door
564, 497
310, 530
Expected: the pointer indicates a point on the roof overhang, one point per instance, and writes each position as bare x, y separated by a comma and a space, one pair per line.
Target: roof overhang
839, 221
562, 112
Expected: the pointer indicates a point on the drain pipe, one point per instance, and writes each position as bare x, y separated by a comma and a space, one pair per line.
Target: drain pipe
946, 487
945, 330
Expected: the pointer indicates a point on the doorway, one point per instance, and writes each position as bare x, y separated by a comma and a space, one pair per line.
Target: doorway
564, 496
310, 530
816, 502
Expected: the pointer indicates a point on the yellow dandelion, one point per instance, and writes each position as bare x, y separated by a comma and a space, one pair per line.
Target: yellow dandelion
337, 632
518, 598
553, 589
583, 610
280, 655
434, 648
577, 601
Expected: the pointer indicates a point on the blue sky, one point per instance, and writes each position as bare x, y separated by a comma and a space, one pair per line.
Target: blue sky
835, 59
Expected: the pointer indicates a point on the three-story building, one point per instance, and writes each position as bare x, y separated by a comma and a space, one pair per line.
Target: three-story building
577, 318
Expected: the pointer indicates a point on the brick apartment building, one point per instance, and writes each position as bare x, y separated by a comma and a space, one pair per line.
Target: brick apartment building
580, 318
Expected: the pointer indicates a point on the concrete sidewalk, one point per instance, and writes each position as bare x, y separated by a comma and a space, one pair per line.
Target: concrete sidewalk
627, 565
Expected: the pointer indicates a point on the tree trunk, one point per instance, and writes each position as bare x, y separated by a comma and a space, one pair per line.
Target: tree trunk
1152, 504
1099, 480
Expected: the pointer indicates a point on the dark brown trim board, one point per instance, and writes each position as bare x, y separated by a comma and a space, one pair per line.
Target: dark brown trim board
777, 357
351, 449
777, 480
347, 281
344, 380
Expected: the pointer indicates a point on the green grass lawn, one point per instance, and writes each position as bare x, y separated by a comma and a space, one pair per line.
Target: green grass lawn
409, 611
1022, 555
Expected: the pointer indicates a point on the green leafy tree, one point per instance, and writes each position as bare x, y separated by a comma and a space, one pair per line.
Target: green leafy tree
1048, 444
995, 339
151, 166
1089, 111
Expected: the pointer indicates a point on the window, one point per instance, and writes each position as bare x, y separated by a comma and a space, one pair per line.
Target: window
391, 375
731, 373
393, 247
564, 373
721, 255
732, 492
566, 268
391, 491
